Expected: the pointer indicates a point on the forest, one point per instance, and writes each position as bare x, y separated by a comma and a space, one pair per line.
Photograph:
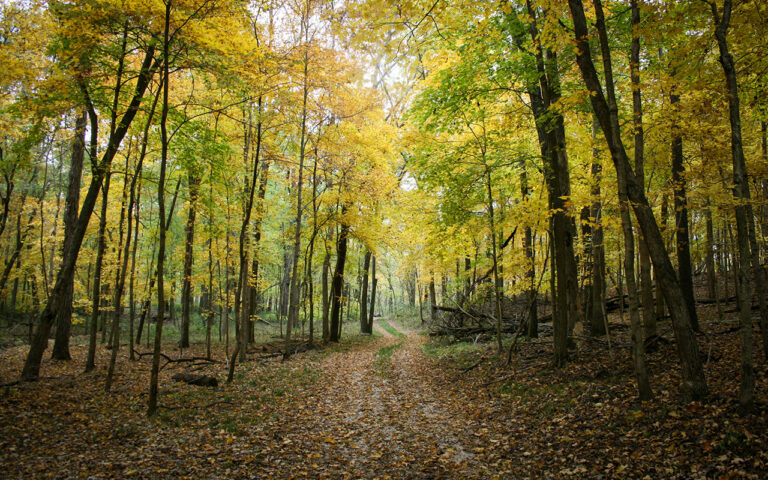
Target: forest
383, 239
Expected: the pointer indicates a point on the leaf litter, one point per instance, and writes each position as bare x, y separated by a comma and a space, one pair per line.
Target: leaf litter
336, 413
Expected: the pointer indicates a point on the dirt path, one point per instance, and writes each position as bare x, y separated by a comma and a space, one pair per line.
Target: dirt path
379, 417
398, 327
380, 330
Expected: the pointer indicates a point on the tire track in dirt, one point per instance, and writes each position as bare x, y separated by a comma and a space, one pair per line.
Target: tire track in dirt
380, 330
398, 327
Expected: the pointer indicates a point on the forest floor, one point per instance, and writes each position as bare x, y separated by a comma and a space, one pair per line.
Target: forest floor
393, 405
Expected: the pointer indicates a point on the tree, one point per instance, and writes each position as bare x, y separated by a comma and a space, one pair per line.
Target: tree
606, 112
69, 257
741, 195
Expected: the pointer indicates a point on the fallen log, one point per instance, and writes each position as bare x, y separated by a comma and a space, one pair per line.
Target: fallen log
199, 380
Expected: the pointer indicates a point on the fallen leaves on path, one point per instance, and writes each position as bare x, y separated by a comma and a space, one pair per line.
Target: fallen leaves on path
385, 407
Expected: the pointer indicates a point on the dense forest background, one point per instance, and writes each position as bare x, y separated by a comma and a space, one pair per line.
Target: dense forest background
215, 175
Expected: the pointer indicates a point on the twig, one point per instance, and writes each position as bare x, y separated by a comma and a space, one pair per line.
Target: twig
213, 404
500, 379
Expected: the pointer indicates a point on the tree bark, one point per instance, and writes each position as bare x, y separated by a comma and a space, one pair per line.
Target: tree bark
71, 204
607, 113
364, 294
39, 342
374, 284
189, 248
530, 273
96, 300
646, 285
682, 237
293, 310
597, 320
741, 197
155, 369
326, 302
337, 284
123, 255
550, 128
131, 284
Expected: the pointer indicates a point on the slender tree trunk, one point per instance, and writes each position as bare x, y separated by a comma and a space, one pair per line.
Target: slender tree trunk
606, 111
682, 237
122, 269
97, 301
709, 257
242, 290
497, 291
530, 274
155, 369
741, 196
293, 311
189, 248
636, 329
337, 284
146, 309
550, 129
646, 286
432, 298
638, 348
209, 305
364, 294
374, 284
597, 320
71, 204
131, 297
311, 253
759, 279
659, 295
326, 302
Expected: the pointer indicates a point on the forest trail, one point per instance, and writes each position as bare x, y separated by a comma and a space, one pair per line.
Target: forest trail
368, 407
381, 331
383, 412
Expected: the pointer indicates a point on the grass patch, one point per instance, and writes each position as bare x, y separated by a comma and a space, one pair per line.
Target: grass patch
454, 355
410, 320
390, 329
383, 357
345, 344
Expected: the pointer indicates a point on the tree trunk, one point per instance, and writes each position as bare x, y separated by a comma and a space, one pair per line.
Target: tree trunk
39, 342
131, 297
497, 287
326, 302
530, 274
293, 311
64, 317
155, 369
682, 238
550, 128
646, 285
123, 255
337, 284
741, 197
432, 298
638, 345
364, 294
189, 248
709, 258
374, 284
97, 301
241, 314
606, 111
597, 320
